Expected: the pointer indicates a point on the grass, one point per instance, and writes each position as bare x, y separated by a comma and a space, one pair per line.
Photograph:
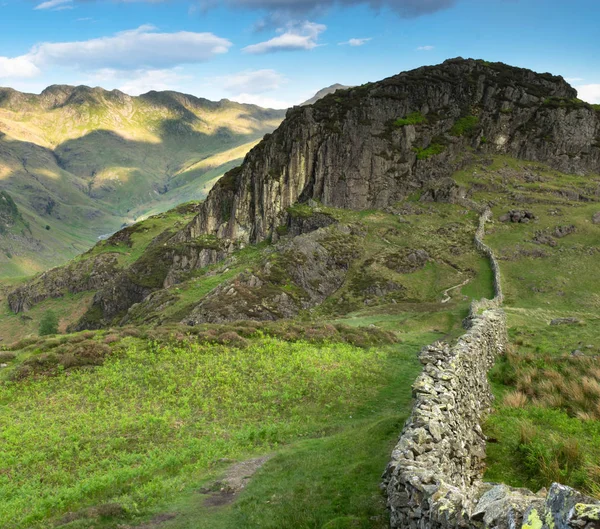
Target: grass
464, 126
331, 481
423, 153
546, 422
157, 416
414, 118
68, 309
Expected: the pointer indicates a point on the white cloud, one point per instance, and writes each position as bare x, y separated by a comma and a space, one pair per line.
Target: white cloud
263, 101
250, 81
17, 67
136, 82
573, 79
55, 5
144, 81
138, 48
355, 42
295, 37
425, 48
589, 93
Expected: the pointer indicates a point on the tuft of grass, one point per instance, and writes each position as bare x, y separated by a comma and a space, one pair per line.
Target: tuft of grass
427, 152
464, 126
515, 399
414, 118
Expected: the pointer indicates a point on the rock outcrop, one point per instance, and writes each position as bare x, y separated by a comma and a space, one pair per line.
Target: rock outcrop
302, 273
371, 146
77, 276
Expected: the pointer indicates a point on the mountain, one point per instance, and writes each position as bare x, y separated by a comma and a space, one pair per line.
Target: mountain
363, 148
81, 162
324, 92
452, 209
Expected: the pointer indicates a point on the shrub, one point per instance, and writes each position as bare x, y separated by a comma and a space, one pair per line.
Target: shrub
131, 332
414, 118
21, 344
7, 357
233, 339
48, 323
464, 126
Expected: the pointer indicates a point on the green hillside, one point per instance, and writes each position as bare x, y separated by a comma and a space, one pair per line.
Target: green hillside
249, 360
81, 162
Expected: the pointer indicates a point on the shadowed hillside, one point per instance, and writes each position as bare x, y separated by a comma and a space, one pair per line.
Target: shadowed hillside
81, 162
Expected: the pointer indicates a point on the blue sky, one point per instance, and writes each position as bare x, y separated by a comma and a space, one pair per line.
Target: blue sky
280, 52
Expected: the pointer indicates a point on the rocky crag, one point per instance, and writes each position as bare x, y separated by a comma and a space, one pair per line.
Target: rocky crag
434, 478
370, 147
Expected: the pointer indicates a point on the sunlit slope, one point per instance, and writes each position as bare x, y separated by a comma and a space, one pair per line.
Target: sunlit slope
80, 162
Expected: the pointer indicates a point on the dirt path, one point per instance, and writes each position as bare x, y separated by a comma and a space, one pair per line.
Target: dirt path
446, 292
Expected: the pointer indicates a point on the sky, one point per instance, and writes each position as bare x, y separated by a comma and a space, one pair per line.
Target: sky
277, 53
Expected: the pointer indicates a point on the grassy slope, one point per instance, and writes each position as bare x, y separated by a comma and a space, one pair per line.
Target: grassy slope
72, 306
172, 411
95, 161
548, 404
444, 231
329, 413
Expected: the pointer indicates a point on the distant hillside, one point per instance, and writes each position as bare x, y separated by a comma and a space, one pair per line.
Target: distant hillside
81, 162
324, 92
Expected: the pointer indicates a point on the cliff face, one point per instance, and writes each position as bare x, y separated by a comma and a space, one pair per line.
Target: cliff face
370, 146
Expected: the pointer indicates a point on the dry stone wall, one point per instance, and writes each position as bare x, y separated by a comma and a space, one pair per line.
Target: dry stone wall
433, 480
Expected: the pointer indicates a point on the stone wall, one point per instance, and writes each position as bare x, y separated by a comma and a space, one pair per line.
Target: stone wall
433, 480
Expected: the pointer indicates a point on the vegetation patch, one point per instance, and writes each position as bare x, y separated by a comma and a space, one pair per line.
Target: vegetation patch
465, 126
433, 150
546, 425
414, 118
134, 430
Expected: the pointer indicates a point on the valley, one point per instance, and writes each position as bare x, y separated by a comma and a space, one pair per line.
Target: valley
82, 162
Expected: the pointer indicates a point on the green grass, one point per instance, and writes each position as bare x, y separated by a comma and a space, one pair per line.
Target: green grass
328, 482
547, 408
464, 126
537, 447
415, 118
133, 430
16, 326
423, 153
327, 478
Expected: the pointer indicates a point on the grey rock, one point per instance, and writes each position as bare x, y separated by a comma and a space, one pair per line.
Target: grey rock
565, 321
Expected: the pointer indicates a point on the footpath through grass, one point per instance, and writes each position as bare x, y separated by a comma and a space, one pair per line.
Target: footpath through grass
330, 481
149, 425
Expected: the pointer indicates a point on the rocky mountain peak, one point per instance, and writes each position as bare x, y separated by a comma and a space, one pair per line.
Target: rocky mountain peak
372, 145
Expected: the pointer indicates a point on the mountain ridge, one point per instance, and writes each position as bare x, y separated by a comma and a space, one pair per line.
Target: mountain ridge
82, 162
366, 148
